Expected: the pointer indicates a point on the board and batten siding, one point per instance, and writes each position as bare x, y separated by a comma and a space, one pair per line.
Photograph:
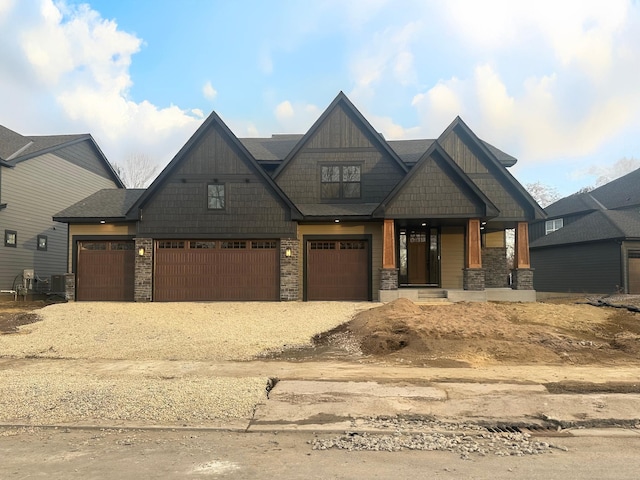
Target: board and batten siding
451, 257
98, 231
35, 190
579, 268
178, 208
373, 229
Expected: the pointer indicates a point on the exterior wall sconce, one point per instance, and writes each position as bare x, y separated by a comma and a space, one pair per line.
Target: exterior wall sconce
287, 252
141, 252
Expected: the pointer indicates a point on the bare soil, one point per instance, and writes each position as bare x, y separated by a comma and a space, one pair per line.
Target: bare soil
481, 334
458, 335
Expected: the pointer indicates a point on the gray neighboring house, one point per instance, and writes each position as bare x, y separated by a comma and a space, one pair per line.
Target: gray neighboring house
39, 176
590, 242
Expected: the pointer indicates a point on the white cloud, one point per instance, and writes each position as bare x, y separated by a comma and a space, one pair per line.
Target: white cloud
66, 69
284, 110
209, 92
296, 117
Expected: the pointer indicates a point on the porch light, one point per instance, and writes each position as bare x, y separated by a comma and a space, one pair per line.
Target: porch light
424, 224
287, 252
103, 222
141, 252
337, 220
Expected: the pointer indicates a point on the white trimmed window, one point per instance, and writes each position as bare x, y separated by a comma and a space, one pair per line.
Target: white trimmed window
553, 225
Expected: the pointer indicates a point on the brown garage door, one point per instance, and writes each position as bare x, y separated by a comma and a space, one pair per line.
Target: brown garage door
216, 270
105, 271
338, 270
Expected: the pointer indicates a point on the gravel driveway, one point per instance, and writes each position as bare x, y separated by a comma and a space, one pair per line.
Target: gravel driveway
150, 331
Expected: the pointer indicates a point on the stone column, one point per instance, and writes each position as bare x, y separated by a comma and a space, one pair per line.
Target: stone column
70, 286
143, 282
473, 273
289, 274
389, 272
522, 275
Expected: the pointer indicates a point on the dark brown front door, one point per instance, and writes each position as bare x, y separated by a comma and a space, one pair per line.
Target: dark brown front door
105, 271
190, 270
417, 254
337, 270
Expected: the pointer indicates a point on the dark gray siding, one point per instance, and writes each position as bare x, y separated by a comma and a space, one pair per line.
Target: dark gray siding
340, 140
179, 206
486, 175
580, 268
432, 191
84, 154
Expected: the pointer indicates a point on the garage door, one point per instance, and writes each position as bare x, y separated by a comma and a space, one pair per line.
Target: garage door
634, 272
338, 270
105, 271
190, 270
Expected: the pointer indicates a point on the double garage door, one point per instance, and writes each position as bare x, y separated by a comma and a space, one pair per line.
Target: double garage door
216, 270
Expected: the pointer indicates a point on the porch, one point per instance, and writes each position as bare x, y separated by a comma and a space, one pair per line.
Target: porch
454, 260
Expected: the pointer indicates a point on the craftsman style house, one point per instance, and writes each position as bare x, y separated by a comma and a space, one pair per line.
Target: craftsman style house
39, 176
337, 213
590, 242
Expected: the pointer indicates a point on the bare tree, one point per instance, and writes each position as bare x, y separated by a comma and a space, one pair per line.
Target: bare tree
617, 170
137, 171
545, 195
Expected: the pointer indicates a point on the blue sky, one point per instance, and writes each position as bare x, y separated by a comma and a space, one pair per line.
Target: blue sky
553, 83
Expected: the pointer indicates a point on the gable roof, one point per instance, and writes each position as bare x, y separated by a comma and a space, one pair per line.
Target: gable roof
16, 148
455, 172
212, 120
623, 192
341, 99
490, 154
109, 204
596, 226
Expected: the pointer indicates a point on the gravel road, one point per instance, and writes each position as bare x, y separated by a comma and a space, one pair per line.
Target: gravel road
152, 331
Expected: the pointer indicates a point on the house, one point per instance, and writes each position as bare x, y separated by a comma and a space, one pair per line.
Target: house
39, 176
336, 213
590, 242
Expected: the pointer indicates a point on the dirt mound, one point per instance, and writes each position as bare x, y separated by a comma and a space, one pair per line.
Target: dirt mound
489, 333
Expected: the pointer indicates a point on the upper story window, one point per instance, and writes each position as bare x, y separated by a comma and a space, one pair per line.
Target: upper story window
216, 196
553, 225
340, 181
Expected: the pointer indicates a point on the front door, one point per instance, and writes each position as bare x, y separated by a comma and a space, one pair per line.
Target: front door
419, 256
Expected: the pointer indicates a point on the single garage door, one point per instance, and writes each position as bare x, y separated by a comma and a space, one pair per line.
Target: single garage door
196, 270
338, 270
634, 272
105, 271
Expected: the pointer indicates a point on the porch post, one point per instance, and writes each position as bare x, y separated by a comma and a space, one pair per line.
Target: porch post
473, 275
388, 272
522, 273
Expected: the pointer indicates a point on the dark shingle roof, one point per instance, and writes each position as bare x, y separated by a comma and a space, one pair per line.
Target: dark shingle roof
576, 203
623, 192
109, 203
14, 146
598, 225
276, 148
336, 210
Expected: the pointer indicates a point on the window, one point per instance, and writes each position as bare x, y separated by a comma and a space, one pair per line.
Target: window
553, 225
340, 181
215, 196
10, 238
42, 243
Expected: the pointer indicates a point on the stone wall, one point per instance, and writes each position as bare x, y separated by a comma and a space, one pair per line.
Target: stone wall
143, 283
473, 279
522, 279
289, 278
388, 279
70, 286
494, 261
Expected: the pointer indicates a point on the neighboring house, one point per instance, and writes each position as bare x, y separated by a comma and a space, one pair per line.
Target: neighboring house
39, 176
590, 242
337, 213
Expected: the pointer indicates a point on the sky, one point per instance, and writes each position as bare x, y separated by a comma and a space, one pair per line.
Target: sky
555, 83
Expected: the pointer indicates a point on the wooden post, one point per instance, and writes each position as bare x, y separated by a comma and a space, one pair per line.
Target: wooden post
474, 244
522, 259
388, 244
